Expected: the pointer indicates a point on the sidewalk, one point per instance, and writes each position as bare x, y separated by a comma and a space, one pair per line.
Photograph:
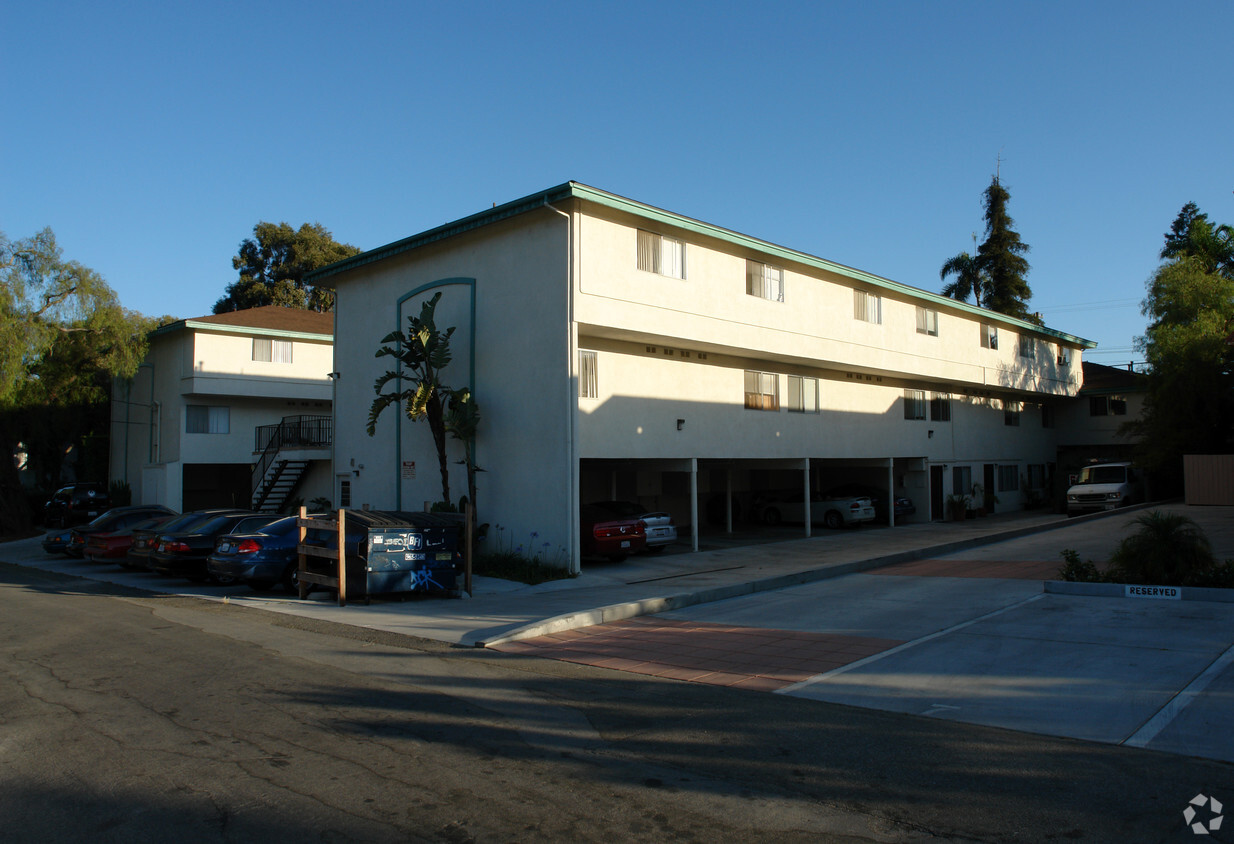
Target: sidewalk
502, 611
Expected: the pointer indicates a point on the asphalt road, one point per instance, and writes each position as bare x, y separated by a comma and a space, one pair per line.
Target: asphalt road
131, 717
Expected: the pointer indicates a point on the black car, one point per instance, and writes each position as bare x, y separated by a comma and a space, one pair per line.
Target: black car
144, 539
75, 504
117, 518
184, 553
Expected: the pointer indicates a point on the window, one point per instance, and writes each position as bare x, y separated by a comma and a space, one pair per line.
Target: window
587, 388
762, 390
1028, 347
940, 408
200, 419
927, 322
962, 481
1047, 416
764, 281
1064, 359
663, 255
914, 404
867, 307
274, 351
344, 493
802, 394
1008, 478
1011, 413
1036, 476
1106, 406
989, 337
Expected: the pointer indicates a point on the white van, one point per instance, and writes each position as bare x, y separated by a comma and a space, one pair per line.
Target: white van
1104, 486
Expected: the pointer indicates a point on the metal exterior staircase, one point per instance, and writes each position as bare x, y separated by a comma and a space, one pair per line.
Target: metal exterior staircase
277, 473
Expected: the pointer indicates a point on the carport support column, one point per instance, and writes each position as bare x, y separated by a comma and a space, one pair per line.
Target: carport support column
805, 474
694, 504
728, 500
891, 491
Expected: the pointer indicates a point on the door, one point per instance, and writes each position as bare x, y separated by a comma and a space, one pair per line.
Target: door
936, 493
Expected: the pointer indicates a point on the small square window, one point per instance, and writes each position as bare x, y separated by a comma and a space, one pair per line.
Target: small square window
802, 394
762, 390
764, 281
867, 307
660, 254
1028, 347
989, 337
927, 322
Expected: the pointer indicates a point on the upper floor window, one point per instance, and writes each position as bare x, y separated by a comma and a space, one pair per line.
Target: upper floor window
587, 387
927, 322
1064, 356
867, 307
274, 351
764, 281
802, 394
940, 408
762, 390
989, 336
660, 254
200, 419
1106, 406
1028, 347
914, 404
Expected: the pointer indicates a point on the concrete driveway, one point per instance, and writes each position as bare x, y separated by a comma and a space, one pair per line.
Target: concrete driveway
967, 637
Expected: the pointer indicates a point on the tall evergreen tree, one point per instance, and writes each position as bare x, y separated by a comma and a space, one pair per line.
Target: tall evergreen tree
1001, 255
995, 276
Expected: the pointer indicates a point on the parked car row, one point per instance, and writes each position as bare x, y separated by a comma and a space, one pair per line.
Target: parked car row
156, 539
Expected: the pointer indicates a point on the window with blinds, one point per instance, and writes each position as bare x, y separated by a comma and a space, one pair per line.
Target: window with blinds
762, 390
940, 408
867, 307
764, 281
587, 388
989, 337
660, 254
201, 419
273, 351
927, 322
914, 404
802, 394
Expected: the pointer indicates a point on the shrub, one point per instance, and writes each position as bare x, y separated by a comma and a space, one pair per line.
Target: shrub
1076, 571
1168, 549
511, 561
120, 493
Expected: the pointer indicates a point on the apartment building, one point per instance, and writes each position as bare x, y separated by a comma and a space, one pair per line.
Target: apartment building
618, 350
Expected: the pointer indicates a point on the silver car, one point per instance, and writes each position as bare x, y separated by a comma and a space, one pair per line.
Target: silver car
832, 511
661, 532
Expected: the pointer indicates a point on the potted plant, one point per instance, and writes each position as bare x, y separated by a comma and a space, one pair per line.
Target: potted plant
957, 507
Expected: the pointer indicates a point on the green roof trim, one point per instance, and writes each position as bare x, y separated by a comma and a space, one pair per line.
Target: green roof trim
575, 190
186, 324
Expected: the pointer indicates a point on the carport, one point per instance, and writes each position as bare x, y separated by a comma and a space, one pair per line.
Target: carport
724, 491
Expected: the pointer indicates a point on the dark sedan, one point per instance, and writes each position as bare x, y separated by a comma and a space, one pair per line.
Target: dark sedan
57, 541
261, 558
117, 518
184, 553
144, 539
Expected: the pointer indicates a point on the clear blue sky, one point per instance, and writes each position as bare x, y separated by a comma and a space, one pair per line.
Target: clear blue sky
152, 137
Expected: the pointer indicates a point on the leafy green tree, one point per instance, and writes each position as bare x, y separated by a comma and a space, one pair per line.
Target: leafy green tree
996, 275
273, 263
1190, 308
63, 337
422, 353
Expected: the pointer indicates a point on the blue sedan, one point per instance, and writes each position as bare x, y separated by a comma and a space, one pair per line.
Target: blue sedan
261, 558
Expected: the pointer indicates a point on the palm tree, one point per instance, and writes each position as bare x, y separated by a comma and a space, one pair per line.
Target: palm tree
1169, 549
970, 278
422, 353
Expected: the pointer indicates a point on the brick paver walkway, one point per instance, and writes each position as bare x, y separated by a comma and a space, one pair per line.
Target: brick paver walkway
700, 652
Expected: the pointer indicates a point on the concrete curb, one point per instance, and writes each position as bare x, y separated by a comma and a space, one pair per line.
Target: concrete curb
650, 606
1121, 590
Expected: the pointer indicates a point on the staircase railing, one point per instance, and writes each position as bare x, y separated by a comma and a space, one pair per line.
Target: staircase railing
292, 432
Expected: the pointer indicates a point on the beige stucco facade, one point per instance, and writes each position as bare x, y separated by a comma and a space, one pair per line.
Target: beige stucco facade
207, 370
530, 285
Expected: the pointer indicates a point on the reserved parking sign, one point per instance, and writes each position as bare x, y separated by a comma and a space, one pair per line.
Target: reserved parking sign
1168, 593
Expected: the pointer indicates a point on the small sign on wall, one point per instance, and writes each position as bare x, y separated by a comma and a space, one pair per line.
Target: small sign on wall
1168, 593
409, 470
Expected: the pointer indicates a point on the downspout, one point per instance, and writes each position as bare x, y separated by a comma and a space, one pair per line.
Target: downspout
572, 416
335, 485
